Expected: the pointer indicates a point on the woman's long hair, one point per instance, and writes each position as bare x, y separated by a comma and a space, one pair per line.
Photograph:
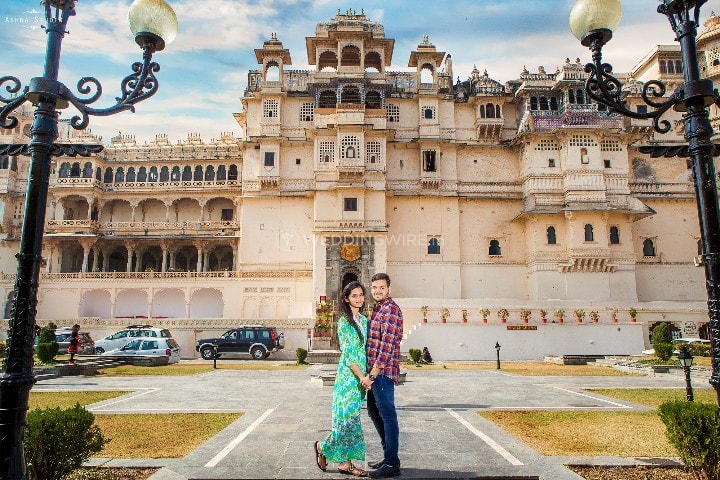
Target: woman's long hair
345, 309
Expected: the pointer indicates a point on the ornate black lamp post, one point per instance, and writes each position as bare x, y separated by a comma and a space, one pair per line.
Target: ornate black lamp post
686, 360
497, 350
592, 22
154, 24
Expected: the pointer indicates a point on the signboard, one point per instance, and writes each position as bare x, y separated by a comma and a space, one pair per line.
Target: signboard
690, 329
522, 327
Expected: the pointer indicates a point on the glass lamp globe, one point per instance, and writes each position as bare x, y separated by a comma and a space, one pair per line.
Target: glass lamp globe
589, 16
154, 21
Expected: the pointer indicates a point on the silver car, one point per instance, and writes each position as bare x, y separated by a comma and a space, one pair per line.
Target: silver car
149, 347
123, 337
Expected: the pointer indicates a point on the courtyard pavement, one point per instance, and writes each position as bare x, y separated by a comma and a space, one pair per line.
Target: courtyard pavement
286, 411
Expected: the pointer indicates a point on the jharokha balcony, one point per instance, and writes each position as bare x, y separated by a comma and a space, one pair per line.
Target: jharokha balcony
206, 227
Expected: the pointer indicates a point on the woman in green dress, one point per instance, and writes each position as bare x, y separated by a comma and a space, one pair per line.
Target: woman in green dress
345, 442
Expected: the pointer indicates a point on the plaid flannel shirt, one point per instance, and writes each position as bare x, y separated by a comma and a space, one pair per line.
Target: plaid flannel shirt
384, 335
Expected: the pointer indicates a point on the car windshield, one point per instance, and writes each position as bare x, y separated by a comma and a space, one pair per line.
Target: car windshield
229, 334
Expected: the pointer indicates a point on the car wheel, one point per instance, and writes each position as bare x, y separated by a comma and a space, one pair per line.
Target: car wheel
258, 353
99, 351
207, 352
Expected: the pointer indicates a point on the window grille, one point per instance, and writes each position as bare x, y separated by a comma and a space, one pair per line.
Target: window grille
306, 112
372, 150
349, 145
393, 113
582, 141
270, 108
610, 146
327, 152
547, 144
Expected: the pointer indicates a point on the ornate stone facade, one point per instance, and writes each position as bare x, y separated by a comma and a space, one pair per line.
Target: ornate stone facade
470, 194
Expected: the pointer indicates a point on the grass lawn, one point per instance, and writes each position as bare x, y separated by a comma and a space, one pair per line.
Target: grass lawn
142, 435
616, 433
187, 369
525, 368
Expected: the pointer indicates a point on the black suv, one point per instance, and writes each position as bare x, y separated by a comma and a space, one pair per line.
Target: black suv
257, 341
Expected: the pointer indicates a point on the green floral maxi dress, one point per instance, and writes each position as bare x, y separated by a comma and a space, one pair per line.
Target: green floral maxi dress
346, 441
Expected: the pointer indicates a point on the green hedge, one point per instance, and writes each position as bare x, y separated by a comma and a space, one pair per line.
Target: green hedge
3, 347
301, 355
664, 351
415, 354
46, 351
59, 441
694, 430
699, 349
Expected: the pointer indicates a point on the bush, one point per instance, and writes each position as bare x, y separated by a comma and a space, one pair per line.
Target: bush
694, 430
696, 349
3, 347
47, 347
661, 334
59, 441
301, 355
664, 351
415, 354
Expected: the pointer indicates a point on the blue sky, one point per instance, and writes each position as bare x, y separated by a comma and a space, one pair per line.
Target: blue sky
204, 71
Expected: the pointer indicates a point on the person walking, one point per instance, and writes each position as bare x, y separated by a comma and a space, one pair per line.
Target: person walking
74, 346
345, 442
383, 357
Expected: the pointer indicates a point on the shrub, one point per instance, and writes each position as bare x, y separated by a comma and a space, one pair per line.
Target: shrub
664, 351
301, 355
47, 333
3, 347
696, 349
59, 441
46, 351
694, 430
415, 354
661, 334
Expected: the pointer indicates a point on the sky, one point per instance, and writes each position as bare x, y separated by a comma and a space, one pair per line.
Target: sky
203, 73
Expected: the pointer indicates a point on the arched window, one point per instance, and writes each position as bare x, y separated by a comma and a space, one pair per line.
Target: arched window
614, 236
433, 246
119, 175
64, 170
426, 74
663, 68
221, 173
87, 170
327, 60
553, 103
233, 172
210, 174
187, 173
327, 99
350, 95
533, 103
350, 152
153, 176
648, 248
497, 111
175, 175
98, 173
589, 235
580, 96
490, 110
350, 56
4, 162
584, 156
571, 96
678, 66
164, 174
551, 239
108, 175
75, 170
482, 111
544, 103
494, 248
130, 175
198, 173
272, 72
142, 174
428, 113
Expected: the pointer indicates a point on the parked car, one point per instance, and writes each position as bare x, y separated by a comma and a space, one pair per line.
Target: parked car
62, 337
151, 347
125, 336
256, 341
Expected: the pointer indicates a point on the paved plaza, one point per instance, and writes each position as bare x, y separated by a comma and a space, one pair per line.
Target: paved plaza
286, 411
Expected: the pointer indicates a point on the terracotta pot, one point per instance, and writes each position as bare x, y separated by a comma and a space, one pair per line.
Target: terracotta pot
424, 320
525, 320
614, 319
503, 320
632, 320
464, 319
443, 320
579, 320
595, 320
484, 319
561, 320
543, 320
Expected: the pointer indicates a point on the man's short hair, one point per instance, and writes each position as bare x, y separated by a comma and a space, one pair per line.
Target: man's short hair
381, 276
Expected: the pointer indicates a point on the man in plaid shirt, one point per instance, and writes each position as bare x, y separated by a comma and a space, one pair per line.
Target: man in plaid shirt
383, 354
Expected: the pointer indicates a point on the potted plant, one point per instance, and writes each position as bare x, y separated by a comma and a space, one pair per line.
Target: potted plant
543, 315
525, 315
579, 315
594, 316
633, 314
444, 314
613, 315
464, 315
485, 312
424, 310
560, 315
503, 314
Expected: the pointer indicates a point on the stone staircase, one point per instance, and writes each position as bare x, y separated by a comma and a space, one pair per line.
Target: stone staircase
84, 366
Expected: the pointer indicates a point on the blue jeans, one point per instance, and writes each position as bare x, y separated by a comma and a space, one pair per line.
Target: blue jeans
381, 408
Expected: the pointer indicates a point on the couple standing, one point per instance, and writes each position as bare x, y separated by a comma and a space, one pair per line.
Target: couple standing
369, 365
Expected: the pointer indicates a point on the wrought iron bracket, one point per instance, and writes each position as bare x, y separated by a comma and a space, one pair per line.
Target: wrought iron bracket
670, 151
57, 150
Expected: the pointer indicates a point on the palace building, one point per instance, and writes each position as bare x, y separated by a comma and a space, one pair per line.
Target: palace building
472, 195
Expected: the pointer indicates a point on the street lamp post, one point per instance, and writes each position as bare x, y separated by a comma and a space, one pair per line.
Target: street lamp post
592, 22
497, 350
154, 24
686, 360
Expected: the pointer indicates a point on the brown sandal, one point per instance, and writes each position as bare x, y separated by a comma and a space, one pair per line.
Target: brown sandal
354, 471
320, 458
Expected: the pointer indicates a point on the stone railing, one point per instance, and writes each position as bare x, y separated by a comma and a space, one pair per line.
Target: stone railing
184, 276
160, 225
171, 185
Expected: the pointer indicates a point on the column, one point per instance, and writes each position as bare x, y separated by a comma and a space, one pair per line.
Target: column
199, 257
86, 258
206, 261
164, 247
95, 258
51, 254
106, 260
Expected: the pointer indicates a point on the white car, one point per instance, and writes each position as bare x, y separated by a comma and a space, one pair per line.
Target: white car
123, 337
149, 347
